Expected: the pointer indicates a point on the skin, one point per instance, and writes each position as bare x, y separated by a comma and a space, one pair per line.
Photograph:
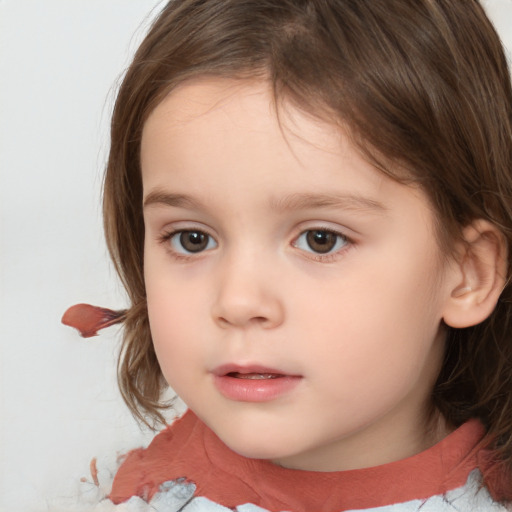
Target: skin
359, 325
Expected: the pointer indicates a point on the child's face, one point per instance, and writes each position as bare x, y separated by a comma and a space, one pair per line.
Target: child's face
295, 293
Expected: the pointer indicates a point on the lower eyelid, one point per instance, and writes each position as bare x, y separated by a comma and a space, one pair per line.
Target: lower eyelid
346, 242
209, 242
340, 237
167, 236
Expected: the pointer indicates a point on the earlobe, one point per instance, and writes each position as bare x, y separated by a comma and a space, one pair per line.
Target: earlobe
480, 275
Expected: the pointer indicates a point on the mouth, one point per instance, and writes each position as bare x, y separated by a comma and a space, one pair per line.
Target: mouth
250, 371
253, 383
254, 376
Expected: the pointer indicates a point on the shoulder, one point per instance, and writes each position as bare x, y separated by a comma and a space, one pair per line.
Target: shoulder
471, 497
180, 496
143, 470
186, 468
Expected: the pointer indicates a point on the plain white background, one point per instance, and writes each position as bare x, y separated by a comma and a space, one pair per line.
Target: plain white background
59, 405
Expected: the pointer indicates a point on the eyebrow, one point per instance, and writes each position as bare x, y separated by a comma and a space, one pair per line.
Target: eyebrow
161, 198
299, 201
351, 202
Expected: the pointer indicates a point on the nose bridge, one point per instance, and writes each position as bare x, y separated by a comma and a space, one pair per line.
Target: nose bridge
247, 294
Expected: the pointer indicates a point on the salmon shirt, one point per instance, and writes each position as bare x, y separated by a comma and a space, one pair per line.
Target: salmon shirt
187, 468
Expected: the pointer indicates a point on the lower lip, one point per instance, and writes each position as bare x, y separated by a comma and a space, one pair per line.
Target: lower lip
255, 390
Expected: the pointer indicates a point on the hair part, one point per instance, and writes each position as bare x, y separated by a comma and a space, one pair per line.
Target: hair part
424, 88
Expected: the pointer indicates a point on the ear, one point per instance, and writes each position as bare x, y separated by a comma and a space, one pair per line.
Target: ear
479, 275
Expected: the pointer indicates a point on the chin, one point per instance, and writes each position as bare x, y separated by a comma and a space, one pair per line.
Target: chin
257, 446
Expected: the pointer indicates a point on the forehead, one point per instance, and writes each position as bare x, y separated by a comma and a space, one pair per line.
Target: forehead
240, 116
206, 97
225, 140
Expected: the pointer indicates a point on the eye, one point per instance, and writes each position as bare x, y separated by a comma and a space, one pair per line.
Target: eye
320, 241
191, 242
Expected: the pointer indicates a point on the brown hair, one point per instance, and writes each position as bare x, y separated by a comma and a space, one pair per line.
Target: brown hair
423, 85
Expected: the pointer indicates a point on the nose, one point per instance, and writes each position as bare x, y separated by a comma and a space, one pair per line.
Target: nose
248, 295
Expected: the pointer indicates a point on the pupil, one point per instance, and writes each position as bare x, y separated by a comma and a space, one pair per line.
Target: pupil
321, 241
193, 241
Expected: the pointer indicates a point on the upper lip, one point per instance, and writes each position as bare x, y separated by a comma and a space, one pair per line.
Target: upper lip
225, 369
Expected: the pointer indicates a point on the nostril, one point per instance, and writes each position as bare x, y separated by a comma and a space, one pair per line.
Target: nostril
257, 320
246, 308
223, 322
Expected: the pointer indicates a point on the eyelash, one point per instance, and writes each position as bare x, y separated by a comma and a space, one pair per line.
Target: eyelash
166, 238
329, 256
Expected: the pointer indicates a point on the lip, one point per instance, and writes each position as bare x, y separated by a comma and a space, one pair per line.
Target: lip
253, 383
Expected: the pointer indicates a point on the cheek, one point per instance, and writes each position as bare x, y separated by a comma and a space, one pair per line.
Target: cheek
174, 345
375, 326
174, 296
172, 319
174, 315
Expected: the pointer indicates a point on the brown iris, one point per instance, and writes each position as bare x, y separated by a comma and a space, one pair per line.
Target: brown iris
194, 241
321, 241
